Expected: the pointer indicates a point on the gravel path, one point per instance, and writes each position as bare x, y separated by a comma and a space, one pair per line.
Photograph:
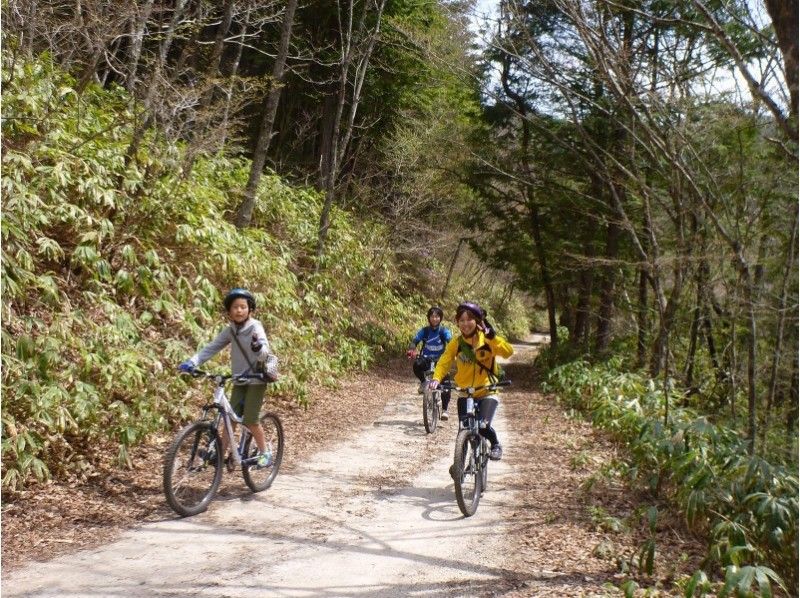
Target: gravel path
365, 507
374, 514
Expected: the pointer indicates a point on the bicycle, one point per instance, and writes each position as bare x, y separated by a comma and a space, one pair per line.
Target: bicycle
431, 402
470, 470
194, 461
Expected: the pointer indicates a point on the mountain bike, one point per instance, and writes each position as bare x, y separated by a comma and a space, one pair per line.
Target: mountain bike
470, 470
193, 463
431, 402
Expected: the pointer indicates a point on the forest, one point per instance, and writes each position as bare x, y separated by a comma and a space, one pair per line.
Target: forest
620, 174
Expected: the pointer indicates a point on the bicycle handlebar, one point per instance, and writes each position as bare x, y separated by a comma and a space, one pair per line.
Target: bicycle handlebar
473, 389
198, 373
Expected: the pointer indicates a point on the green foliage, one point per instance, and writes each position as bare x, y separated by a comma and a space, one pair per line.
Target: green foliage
113, 268
745, 506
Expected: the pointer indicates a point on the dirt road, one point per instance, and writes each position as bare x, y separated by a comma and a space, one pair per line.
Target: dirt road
374, 515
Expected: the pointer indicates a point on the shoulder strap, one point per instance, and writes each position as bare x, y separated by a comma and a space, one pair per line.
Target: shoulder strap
463, 346
236, 340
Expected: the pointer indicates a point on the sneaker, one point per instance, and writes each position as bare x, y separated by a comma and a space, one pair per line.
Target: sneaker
445, 416
264, 459
496, 453
421, 388
453, 471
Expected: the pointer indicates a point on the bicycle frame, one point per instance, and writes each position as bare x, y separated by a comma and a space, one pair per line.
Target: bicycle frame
229, 418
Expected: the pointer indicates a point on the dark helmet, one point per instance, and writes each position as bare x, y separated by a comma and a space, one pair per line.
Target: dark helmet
474, 308
435, 310
239, 294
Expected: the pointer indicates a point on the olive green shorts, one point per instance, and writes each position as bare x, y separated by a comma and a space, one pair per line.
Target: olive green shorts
246, 399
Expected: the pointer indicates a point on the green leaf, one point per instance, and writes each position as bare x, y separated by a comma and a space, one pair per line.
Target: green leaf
698, 581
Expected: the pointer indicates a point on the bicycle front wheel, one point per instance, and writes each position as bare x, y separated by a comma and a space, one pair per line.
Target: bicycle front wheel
484, 459
467, 472
193, 469
429, 414
258, 477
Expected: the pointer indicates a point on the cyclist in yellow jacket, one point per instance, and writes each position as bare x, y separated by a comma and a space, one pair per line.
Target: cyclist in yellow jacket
475, 352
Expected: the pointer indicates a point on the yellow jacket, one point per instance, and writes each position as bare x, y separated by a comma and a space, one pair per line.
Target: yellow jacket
468, 373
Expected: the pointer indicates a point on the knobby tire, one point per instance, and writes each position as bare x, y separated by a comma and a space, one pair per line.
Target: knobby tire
193, 469
257, 478
465, 470
429, 414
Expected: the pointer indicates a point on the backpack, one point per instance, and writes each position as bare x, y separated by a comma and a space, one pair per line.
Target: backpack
494, 371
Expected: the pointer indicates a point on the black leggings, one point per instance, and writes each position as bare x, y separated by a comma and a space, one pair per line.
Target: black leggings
421, 365
486, 408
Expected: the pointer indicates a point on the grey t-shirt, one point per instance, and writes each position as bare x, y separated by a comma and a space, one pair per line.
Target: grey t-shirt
240, 362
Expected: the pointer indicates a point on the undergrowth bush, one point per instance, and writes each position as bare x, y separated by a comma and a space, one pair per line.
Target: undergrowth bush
113, 268
745, 506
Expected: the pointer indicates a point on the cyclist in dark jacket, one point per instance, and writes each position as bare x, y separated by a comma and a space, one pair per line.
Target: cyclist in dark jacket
434, 338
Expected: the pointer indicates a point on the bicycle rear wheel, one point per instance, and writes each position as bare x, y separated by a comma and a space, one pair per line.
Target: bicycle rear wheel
193, 469
429, 414
467, 472
260, 478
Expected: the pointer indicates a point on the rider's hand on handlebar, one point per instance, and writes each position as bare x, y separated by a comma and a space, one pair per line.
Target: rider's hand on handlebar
433, 384
411, 353
186, 367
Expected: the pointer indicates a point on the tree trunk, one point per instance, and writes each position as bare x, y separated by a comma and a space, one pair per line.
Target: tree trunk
138, 25
358, 82
778, 350
330, 152
641, 320
244, 214
450, 269
536, 227
213, 68
582, 331
708, 333
30, 30
606, 310
749, 296
791, 415
339, 140
698, 316
169, 36
234, 69
784, 15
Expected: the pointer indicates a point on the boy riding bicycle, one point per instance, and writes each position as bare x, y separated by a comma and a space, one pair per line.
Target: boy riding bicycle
242, 333
474, 352
433, 337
